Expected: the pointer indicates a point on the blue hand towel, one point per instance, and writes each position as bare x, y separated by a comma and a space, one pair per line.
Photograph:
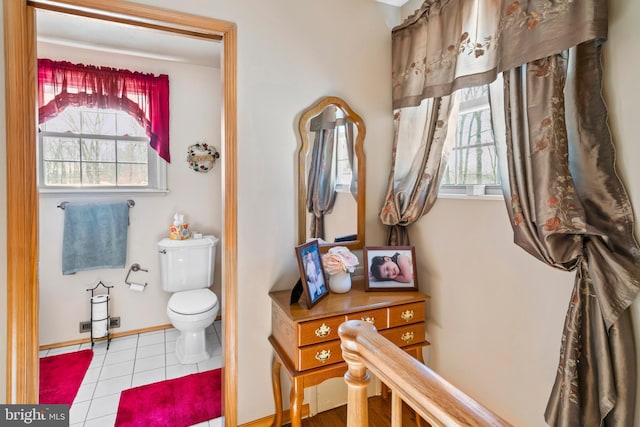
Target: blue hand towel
95, 236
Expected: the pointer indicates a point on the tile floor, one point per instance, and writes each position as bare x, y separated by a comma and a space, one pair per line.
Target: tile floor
132, 361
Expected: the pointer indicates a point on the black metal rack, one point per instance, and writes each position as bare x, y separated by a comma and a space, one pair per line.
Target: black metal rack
108, 318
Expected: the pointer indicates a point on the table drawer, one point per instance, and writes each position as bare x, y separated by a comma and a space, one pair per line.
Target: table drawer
405, 335
314, 356
321, 330
377, 318
406, 314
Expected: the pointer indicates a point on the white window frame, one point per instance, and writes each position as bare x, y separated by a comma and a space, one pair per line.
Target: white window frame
493, 191
156, 167
340, 140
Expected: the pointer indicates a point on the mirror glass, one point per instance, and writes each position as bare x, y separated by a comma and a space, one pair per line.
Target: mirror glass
331, 171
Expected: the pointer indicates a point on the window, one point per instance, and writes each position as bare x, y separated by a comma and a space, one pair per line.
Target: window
101, 128
342, 163
472, 164
90, 148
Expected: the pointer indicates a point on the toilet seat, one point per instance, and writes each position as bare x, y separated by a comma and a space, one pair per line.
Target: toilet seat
192, 302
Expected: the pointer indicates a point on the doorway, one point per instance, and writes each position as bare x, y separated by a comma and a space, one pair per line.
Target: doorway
22, 194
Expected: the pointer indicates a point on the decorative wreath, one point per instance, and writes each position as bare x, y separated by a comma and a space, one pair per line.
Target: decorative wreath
202, 156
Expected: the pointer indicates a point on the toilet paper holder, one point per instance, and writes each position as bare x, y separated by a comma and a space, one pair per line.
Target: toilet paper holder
104, 322
135, 267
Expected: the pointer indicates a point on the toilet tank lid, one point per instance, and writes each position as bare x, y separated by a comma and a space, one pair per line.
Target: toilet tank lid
204, 241
193, 302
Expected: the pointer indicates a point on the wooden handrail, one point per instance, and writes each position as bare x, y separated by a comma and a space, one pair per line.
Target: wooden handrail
436, 400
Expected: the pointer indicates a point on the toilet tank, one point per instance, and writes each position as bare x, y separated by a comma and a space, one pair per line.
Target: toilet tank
187, 264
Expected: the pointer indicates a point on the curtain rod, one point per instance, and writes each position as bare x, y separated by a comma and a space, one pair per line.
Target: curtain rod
130, 202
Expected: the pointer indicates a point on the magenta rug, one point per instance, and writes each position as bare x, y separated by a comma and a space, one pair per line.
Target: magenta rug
61, 376
179, 402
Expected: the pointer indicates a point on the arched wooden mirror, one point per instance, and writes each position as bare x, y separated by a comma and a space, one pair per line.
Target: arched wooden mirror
331, 174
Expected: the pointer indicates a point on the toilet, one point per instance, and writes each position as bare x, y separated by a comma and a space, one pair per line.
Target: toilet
186, 270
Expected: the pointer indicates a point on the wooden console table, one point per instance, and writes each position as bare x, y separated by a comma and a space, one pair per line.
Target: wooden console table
305, 341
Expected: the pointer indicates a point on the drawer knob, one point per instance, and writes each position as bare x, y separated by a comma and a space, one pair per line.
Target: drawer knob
407, 336
323, 331
323, 356
370, 320
407, 315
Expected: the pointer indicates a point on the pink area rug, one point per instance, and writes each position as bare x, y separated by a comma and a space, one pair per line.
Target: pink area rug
61, 376
179, 402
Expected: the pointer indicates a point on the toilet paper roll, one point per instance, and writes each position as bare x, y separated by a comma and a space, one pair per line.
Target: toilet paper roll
99, 307
99, 328
136, 287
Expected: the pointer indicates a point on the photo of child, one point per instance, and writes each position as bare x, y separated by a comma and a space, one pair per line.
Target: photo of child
312, 275
391, 267
315, 279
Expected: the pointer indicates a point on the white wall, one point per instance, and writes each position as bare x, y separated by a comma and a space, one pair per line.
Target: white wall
195, 115
343, 219
496, 314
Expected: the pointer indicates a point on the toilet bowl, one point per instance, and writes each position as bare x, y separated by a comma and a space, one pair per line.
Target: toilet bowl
191, 312
186, 271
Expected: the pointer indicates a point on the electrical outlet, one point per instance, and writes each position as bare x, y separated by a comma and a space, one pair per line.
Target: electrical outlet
114, 322
85, 326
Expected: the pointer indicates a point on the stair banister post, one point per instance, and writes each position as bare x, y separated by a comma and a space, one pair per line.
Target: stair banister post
356, 377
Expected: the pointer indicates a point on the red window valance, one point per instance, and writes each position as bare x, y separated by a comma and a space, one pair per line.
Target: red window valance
144, 96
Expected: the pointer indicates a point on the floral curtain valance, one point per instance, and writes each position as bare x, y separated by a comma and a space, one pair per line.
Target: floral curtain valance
451, 44
144, 96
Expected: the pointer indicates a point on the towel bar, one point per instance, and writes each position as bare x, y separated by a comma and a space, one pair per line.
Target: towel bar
63, 205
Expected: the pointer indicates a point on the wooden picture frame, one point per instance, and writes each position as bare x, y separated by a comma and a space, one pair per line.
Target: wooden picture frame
314, 280
390, 268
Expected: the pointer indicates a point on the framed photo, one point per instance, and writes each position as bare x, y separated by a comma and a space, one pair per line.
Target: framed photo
390, 268
314, 281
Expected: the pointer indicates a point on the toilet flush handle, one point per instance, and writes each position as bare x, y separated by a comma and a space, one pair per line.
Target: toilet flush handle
164, 251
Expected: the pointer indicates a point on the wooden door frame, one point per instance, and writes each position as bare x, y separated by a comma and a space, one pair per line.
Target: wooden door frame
22, 193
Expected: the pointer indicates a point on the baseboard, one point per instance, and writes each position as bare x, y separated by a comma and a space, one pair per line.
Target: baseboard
286, 418
113, 335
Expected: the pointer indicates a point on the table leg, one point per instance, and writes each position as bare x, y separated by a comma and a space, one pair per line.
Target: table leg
277, 392
295, 402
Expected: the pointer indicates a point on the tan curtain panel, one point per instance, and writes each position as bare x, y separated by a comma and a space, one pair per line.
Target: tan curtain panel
420, 150
321, 193
569, 209
567, 205
452, 44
